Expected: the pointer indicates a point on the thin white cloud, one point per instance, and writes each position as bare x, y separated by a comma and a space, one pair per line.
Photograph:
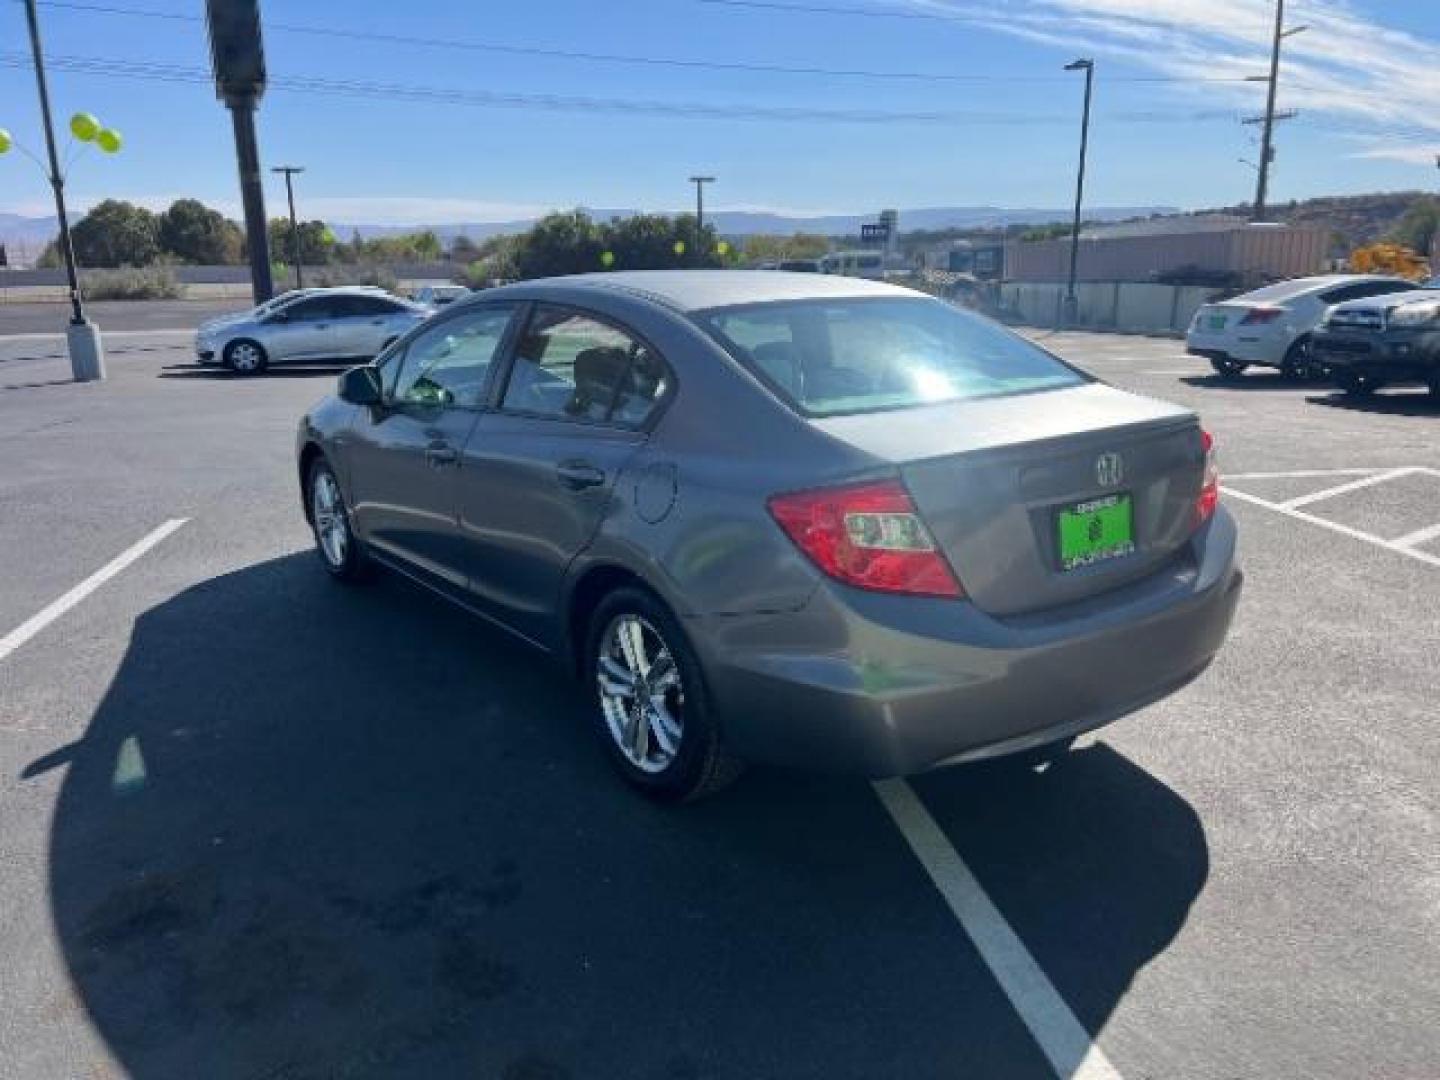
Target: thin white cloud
1346, 72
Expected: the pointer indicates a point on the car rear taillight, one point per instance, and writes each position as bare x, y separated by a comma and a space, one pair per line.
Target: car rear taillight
866, 535
1259, 316
1210, 487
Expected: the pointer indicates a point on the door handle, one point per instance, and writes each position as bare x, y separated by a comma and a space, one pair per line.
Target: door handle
441, 454
579, 475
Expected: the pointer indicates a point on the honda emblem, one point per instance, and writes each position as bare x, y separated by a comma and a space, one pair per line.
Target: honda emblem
1109, 470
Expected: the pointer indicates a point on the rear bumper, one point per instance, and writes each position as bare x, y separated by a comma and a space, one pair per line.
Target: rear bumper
1266, 352
885, 686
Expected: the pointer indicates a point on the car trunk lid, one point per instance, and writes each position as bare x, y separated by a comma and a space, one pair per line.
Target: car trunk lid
991, 478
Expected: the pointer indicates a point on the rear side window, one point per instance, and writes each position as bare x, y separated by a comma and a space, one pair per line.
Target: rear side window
827, 357
1364, 290
571, 366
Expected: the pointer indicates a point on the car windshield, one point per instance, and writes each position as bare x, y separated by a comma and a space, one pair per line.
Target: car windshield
830, 357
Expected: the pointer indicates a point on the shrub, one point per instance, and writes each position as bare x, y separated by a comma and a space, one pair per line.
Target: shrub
132, 283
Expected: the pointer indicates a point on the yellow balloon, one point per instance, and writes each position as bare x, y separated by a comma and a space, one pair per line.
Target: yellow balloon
679, 247
108, 140
607, 259
84, 126
722, 248
5, 141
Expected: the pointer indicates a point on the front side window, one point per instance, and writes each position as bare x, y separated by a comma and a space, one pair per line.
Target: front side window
828, 357
449, 364
574, 367
316, 309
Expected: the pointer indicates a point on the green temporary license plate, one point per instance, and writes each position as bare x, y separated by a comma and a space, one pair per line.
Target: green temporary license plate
1095, 531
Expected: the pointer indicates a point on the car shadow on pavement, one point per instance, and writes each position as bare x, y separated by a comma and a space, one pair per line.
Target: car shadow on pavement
1267, 380
1397, 403
317, 831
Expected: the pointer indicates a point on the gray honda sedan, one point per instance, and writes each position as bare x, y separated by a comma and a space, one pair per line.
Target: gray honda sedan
787, 518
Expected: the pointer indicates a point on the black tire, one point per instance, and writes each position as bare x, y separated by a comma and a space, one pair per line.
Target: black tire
1299, 362
1227, 368
347, 563
701, 765
246, 357
1357, 386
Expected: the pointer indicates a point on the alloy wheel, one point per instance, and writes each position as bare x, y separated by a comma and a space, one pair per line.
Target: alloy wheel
641, 694
328, 511
245, 357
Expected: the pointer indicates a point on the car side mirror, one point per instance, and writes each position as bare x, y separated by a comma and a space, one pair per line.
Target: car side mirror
361, 386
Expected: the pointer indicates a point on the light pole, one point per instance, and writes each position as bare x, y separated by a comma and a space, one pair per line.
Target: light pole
87, 356
1072, 305
289, 171
700, 182
1267, 148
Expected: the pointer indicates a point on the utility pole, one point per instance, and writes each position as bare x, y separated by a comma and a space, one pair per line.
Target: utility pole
238, 60
1072, 304
700, 182
289, 171
87, 358
1267, 147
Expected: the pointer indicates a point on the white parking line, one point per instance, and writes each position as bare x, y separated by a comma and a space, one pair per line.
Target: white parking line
1335, 526
1341, 489
1063, 1039
43, 618
1418, 537
1303, 474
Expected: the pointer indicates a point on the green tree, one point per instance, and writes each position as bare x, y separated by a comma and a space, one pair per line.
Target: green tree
560, 243
192, 232
1416, 229
116, 233
464, 250
315, 242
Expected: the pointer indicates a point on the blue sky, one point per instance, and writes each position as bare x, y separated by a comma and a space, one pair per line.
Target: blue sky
1365, 78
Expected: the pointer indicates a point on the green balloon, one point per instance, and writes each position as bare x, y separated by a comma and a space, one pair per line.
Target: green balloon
5, 141
84, 126
607, 259
327, 237
679, 247
722, 248
108, 140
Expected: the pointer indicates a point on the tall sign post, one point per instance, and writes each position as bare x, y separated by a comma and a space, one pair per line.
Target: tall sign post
238, 61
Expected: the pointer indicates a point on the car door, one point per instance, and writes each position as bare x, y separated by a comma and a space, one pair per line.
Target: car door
365, 324
539, 471
405, 456
302, 330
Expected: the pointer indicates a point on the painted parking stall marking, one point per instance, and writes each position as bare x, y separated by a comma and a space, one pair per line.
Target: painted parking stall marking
58, 607
1071, 1051
1407, 544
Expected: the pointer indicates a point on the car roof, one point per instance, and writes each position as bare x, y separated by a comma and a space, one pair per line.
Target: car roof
1281, 290
699, 290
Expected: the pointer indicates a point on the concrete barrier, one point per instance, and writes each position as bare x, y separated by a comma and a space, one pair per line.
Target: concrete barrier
1135, 307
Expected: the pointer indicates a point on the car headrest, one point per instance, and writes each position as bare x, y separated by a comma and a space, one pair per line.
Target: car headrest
779, 360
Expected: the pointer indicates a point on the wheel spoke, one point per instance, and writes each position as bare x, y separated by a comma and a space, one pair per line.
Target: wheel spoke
640, 734
663, 728
616, 679
632, 643
663, 673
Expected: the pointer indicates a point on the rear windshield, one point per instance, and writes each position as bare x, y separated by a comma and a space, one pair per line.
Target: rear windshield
827, 357
1284, 290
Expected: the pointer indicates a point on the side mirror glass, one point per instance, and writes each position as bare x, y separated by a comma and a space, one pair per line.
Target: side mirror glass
360, 386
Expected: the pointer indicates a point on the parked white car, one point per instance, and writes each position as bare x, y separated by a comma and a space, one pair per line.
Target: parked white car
354, 322
1271, 327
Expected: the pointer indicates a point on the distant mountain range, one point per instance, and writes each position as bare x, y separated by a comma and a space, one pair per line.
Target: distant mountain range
749, 222
25, 237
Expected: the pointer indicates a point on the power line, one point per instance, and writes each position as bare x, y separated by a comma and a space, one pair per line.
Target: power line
368, 88
748, 66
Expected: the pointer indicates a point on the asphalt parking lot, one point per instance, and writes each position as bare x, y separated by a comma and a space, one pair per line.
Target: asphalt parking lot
255, 824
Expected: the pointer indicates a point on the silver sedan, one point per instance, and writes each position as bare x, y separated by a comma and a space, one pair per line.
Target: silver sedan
308, 324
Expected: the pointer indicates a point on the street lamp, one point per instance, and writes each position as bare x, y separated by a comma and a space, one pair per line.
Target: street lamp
1072, 305
700, 182
289, 171
87, 357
